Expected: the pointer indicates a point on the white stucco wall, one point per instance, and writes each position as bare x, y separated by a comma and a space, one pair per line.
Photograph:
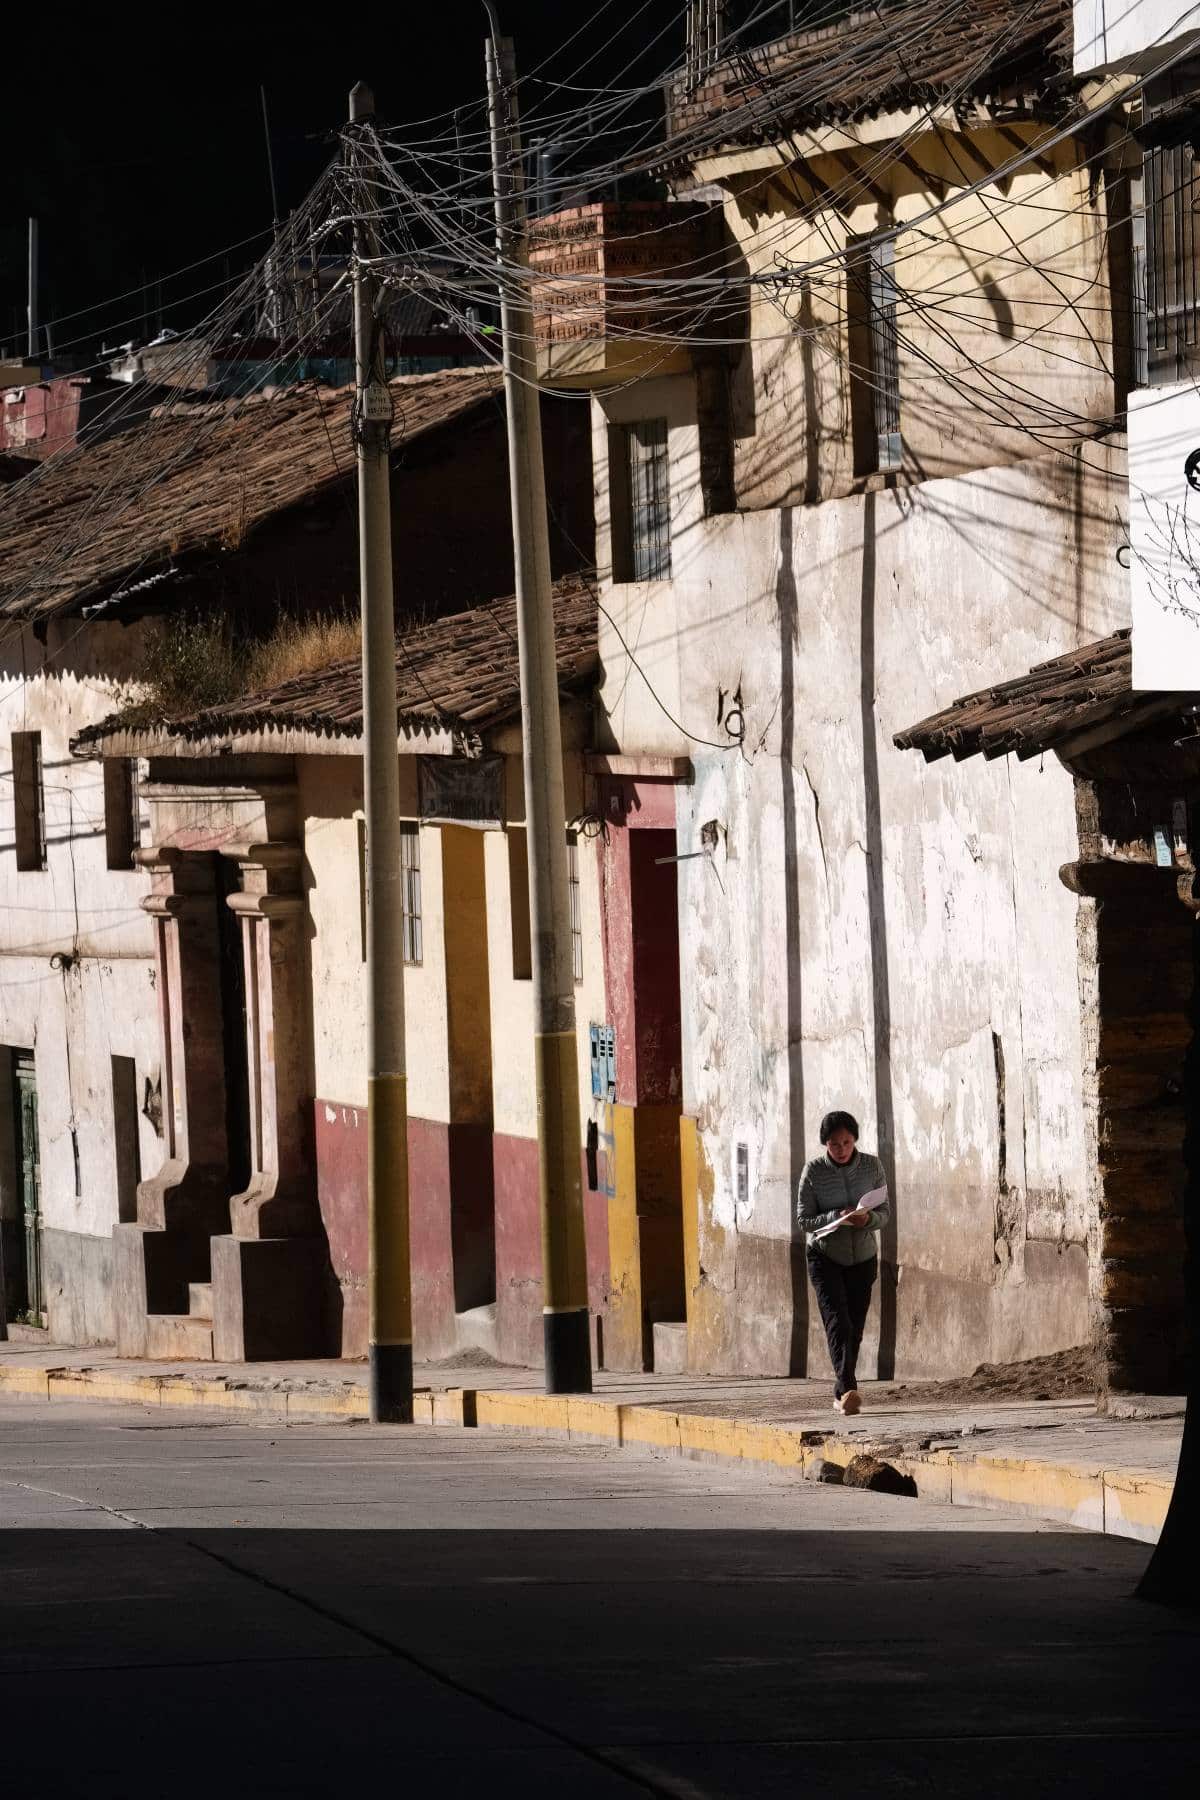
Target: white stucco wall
76, 968
1130, 33
514, 1098
968, 933
331, 807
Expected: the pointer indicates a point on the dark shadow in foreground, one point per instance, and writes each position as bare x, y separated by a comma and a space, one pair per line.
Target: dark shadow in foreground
713, 1663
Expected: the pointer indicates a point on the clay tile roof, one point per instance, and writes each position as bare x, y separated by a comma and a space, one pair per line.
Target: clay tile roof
1056, 701
194, 478
458, 674
910, 53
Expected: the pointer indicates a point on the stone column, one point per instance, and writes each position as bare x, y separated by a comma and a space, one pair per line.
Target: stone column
186, 1200
267, 1298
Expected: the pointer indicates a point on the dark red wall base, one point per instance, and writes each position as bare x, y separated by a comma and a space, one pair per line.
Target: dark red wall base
444, 1160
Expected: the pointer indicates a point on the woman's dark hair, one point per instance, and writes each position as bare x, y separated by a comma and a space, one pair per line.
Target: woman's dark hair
838, 1121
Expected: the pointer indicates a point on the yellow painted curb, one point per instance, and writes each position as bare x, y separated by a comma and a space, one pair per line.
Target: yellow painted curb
352, 1404
33, 1382
1073, 1496
522, 1412
593, 1418
649, 1425
96, 1384
176, 1391
1135, 1503
700, 1434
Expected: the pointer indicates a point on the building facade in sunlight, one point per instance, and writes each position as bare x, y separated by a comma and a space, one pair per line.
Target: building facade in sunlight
894, 474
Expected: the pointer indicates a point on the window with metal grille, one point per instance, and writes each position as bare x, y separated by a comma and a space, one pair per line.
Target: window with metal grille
29, 800
410, 891
1168, 247
874, 349
576, 908
640, 483
122, 824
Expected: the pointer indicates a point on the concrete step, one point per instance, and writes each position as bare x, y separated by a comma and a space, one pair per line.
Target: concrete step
200, 1299
670, 1349
477, 1329
178, 1337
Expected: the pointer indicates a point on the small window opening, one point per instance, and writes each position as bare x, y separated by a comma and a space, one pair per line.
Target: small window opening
639, 471
29, 800
518, 892
410, 884
122, 826
874, 349
576, 907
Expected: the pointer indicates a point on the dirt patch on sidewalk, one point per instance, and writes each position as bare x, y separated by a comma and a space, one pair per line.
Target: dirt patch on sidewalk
1067, 1375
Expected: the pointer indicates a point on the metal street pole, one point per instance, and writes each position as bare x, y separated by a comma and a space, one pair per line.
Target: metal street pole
390, 1329
564, 1259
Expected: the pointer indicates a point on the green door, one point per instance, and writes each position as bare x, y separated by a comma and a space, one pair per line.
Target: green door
26, 1127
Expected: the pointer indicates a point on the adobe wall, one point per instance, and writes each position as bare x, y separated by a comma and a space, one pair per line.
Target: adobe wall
76, 971
868, 931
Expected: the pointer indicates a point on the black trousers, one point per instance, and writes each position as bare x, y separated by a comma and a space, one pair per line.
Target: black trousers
844, 1297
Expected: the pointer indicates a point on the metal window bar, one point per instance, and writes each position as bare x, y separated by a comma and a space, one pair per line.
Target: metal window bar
1172, 242
649, 500
1139, 273
410, 884
885, 351
576, 907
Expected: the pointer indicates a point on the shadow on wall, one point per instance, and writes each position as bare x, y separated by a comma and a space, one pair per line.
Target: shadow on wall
788, 604
881, 995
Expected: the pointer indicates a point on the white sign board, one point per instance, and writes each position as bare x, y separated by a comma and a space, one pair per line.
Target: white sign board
1164, 536
1129, 33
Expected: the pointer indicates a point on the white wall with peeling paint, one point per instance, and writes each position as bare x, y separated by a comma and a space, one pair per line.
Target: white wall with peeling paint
76, 963
968, 935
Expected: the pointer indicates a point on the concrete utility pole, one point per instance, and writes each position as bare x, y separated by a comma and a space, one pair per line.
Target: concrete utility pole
564, 1258
31, 342
390, 1330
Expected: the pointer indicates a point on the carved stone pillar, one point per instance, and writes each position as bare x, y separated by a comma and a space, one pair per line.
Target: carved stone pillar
267, 1272
186, 1201
280, 1199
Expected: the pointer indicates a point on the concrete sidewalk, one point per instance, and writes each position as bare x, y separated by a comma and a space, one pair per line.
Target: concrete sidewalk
1053, 1460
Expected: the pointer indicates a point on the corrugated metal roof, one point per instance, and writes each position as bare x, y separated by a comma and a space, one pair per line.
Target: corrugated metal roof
458, 674
1055, 702
916, 53
195, 478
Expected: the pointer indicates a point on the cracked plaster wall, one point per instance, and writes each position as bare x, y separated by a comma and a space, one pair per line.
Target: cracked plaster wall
972, 580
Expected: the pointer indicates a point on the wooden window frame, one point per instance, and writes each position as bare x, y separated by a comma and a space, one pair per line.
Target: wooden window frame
413, 937
873, 344
639, 467
518, 903
575, 899
122, 823
29, 801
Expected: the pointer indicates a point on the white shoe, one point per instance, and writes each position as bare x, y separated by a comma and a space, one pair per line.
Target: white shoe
838, 1406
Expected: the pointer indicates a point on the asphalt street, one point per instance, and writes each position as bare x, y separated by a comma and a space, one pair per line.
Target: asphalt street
196, 1607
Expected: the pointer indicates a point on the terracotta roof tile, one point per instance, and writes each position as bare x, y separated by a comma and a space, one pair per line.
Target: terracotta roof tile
457, 674
915, 53
194, 478
1055, 701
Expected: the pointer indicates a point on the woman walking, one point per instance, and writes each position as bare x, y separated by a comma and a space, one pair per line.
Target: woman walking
842, 1236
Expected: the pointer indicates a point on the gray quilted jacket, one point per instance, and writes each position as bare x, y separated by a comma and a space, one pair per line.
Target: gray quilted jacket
826, 1190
